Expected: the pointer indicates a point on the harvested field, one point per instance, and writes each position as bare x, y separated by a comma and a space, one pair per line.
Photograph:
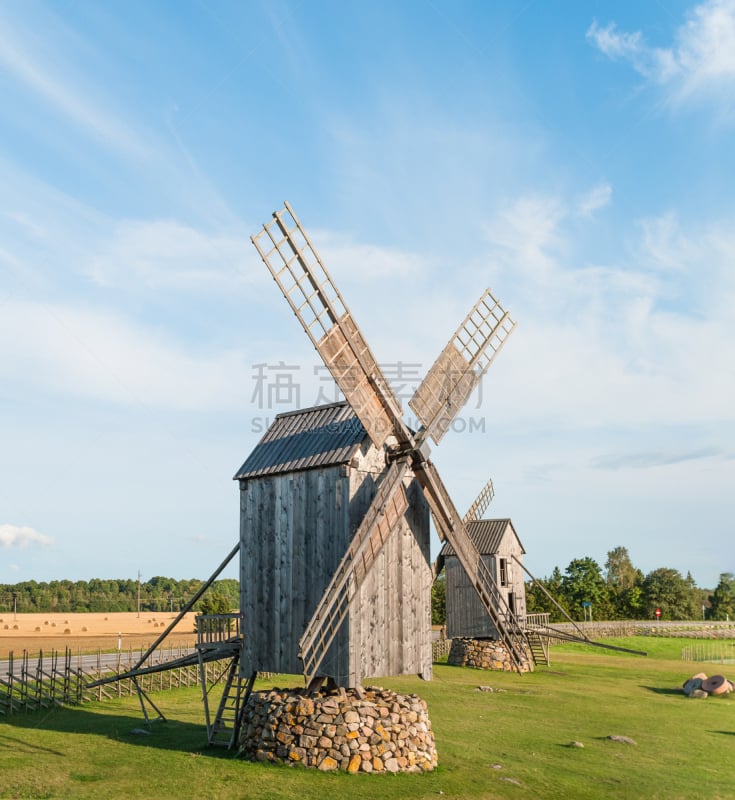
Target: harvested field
90, 632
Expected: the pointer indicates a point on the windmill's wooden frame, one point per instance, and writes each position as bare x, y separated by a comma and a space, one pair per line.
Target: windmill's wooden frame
305, 489
287, 251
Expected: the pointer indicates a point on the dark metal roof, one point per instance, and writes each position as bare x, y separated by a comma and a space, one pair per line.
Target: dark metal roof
321, 436
486, 534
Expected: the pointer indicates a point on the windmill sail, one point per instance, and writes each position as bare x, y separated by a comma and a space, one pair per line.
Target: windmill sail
482, 501
307, 286
461, 365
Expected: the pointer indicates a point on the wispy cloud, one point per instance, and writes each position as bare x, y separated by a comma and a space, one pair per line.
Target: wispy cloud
366, 261
21, 536
51, 78
647, 460
646, 340
77, 351
598, 197
699, 63
169, 254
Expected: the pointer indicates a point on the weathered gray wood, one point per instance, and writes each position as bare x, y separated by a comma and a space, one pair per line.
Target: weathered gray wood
466, 615
295, 529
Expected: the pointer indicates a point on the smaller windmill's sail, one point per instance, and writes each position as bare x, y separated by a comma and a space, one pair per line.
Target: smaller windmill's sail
461, 365
483, 500
451, 528
384, 513
302, 277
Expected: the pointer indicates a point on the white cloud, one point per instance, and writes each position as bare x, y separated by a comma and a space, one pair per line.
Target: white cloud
365, 261
644, 342
529, 230
166, 254
78, 351
700, 61
598, 197
21, 536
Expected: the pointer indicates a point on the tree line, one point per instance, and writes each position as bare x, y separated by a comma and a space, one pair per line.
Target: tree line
584, 590
99, 595
622, 591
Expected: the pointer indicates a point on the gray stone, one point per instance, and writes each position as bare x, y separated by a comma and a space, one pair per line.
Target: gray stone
621, 739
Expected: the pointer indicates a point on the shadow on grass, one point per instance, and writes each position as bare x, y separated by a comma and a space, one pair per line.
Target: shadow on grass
659, 690
725, 733
172, 734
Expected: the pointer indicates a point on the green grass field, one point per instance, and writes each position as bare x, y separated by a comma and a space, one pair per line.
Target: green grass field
509, 744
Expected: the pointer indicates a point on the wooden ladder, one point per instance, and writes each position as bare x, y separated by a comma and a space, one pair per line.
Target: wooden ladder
225, 728
539, 650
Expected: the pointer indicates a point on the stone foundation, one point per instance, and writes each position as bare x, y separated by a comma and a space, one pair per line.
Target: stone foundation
485, 654
374, 730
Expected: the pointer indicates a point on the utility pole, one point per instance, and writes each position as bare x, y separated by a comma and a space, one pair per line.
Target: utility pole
138, 592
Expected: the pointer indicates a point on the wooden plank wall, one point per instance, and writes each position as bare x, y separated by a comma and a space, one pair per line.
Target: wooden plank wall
294, 530
465, 614
390, 622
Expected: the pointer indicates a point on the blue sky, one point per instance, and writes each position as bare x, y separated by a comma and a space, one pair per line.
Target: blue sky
576, 157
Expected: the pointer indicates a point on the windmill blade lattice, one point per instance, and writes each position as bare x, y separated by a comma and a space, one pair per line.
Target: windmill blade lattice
307, 286
461, 365
482, 501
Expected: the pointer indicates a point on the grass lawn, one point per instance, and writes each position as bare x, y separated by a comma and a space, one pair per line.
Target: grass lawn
507, 744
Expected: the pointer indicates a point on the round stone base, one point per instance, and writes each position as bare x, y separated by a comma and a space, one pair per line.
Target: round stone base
373, 730
485, 654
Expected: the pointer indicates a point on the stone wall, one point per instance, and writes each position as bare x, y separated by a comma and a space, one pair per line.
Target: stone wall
373, 730
484, 654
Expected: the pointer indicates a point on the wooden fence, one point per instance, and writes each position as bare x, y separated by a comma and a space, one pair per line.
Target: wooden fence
720, 652
53, 679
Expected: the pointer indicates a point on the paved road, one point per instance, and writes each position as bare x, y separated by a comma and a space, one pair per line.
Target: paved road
112, 662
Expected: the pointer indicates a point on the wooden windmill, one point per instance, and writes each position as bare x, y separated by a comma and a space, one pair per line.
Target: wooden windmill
304, 281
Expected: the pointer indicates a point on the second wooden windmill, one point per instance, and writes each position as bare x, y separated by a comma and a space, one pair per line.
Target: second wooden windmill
316, 559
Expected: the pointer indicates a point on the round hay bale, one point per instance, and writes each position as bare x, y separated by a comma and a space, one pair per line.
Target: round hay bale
717, 684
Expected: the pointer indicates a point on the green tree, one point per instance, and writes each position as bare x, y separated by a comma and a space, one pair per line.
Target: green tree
538, 601
675, 595
583, 583
722, 600
619, 570
214, 602
625, 581
439, 601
